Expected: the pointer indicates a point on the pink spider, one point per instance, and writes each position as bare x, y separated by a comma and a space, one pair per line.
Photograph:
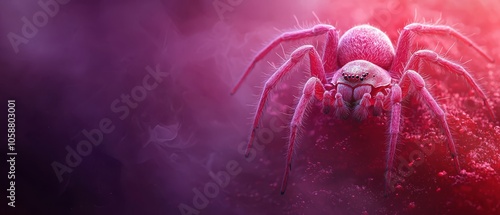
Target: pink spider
369, 76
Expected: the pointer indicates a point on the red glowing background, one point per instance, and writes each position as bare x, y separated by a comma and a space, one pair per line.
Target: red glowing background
169, 151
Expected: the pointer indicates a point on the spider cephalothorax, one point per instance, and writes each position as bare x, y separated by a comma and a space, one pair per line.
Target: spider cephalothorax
370, 76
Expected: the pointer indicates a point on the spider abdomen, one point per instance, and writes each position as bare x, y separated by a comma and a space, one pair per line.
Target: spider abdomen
365, 42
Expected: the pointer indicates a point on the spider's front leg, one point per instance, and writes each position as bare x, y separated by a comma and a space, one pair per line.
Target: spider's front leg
433, 57
297, 56
394, 126
313, 89
329, 52
414, 80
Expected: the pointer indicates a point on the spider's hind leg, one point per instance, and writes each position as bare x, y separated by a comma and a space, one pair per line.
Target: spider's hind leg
329, 56
410, 31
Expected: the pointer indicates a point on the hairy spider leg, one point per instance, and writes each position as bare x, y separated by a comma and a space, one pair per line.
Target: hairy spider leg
433, 57
329, 56
312, 89
394, 126
297, 56
413, 79
407, 35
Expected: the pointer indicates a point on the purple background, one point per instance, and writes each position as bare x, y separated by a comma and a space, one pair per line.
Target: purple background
90, 53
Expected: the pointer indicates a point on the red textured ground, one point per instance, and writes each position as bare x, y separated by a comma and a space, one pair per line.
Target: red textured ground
339, 165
